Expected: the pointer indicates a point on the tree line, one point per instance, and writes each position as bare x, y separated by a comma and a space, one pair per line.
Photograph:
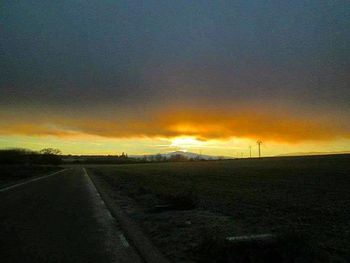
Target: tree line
15, 156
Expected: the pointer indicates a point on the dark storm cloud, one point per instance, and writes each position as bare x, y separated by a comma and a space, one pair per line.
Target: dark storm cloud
149, 54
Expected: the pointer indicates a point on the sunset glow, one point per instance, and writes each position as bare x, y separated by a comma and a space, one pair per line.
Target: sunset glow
180, 76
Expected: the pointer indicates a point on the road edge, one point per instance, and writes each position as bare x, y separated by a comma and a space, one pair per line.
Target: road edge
13, 186
133, 233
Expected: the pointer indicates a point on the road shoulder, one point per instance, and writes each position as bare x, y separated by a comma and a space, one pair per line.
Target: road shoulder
133, 233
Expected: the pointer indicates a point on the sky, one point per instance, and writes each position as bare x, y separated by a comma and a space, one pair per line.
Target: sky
105, 77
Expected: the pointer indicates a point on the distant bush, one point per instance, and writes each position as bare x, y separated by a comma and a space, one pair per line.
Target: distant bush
178, 158
27, 157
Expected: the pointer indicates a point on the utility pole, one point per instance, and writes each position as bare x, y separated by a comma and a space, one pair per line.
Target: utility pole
259, 144
250, 151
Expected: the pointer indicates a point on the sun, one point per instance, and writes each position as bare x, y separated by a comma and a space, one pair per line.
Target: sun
185, 142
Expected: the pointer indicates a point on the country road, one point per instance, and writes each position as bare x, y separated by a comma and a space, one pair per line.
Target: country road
60, 218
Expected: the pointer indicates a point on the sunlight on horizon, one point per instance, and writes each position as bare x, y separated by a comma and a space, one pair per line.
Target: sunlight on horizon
186, 142
234, 147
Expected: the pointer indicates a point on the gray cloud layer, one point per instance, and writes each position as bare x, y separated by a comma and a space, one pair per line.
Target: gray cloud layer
147, 54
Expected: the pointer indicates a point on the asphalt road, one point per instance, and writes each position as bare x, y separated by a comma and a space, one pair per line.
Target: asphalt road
60, 218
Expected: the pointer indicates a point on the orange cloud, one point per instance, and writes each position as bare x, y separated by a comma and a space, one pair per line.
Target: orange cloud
34, 129
202, 124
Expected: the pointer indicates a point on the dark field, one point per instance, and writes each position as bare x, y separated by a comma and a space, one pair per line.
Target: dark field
10, 174
307, 195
